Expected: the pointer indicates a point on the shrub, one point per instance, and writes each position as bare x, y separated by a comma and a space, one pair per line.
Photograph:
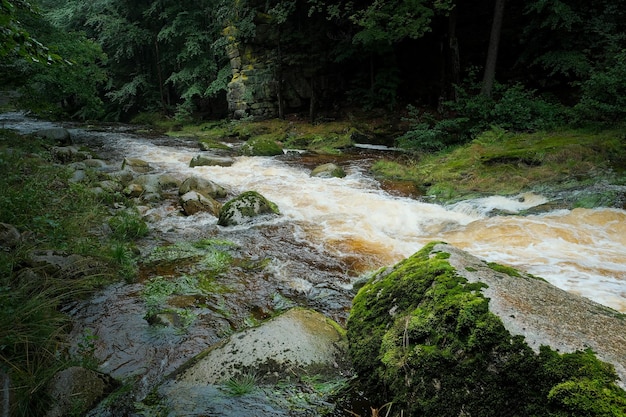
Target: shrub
604, 93
513, 108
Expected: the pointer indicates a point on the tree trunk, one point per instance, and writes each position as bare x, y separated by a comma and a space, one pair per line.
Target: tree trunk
492, 52
454, 55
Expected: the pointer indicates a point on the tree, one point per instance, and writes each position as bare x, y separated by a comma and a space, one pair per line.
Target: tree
14, 39
492, 51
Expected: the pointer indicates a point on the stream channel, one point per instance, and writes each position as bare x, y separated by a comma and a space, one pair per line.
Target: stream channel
331, 231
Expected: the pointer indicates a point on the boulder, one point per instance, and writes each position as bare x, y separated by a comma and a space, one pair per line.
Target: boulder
9, 236
76, 390
245, 208
194, 202
298, 339
67, 154
446, 334
133, 190
261, 146
154, 184
58, 135
329, 170
208, 160
137, 165
296, 346
64, 265
203, 186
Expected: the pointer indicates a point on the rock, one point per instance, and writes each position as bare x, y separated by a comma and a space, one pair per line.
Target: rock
194, 202
76, 390
96, 163
133, 190
150, 186
206, 160
123, 176
203, 186
137, 165
329, 170
261, 146
63, 265
67, 154
299, 339
110, 186
246, 207
78, 176
58, 135
9, 236
447, 334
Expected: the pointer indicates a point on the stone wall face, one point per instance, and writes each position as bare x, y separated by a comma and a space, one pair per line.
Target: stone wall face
252, 91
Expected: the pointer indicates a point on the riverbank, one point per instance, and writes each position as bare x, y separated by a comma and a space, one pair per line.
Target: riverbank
583, 167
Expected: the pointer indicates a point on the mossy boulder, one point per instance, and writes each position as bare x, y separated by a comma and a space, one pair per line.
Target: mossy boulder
444, 334
329, 170
264, 145
245, 208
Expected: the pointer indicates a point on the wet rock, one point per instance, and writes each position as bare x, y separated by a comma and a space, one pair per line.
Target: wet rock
448, 334
9, 236
58, 135
245, 207
137, 165
63, 265
110, 186
76, 390
203, 186
194, 202
133, 190
206, 160
78, 176
261, 146
157, 182
299, 339
329, 170
123, 176
67, 154
96, 163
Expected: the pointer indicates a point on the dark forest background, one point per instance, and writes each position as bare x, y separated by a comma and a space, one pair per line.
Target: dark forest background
452, 66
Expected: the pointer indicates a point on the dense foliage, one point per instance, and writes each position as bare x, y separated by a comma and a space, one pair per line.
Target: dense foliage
171, 57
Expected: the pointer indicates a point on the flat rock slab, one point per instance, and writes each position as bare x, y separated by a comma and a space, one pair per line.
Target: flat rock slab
545, 314
298, 339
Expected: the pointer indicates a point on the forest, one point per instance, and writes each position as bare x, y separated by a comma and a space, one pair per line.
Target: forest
453, 68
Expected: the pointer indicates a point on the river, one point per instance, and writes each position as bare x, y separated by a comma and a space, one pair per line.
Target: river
331, 231
580, 250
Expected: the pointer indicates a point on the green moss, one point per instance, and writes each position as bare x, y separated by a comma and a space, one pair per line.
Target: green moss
248, 204
507, 164
504, 269
265, 145
422, 337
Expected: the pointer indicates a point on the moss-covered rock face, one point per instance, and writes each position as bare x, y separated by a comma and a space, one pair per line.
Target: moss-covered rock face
245, 207
422, 336
264, 145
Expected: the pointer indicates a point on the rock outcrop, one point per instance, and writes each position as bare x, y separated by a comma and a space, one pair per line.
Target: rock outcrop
329, 170
446, 334
57, 135
245, 208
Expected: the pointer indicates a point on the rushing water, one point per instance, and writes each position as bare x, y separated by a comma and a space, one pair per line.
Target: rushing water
581, 250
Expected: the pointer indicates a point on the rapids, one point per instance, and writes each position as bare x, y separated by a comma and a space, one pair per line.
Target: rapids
580, 250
